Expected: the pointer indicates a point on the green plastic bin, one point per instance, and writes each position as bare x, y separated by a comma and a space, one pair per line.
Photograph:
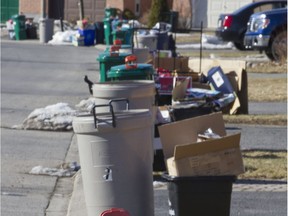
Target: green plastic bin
140, 72
106, 61
124, 48
108, 31
199, 195
120, 35
19, 27
110, 12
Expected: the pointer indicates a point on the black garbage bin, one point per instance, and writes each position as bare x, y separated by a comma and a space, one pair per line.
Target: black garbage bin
99, 28
203, 195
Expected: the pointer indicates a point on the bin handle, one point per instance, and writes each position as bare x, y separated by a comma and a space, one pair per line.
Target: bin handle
130, 62
114, 50
119, 100
96, 120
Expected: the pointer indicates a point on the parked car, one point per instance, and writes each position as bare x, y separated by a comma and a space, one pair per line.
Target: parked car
267, 31
232, 27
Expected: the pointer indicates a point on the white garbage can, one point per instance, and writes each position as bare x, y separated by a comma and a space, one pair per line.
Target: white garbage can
140, 94
143, 41
115, 152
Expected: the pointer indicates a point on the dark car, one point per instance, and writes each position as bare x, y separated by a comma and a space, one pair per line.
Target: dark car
232, 27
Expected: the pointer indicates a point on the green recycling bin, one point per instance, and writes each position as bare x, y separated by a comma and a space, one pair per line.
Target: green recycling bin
107, 60
119, 35
110, 12
131, 72
19, 27
123, 48
108, 31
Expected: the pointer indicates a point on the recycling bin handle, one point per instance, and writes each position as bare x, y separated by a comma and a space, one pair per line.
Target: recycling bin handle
96, 120
119, 100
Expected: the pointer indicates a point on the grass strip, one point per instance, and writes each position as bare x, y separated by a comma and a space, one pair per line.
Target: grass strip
280, 120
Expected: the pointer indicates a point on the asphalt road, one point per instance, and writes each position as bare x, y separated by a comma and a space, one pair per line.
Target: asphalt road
34, 76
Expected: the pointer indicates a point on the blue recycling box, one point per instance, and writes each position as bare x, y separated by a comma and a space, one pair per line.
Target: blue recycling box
219, 80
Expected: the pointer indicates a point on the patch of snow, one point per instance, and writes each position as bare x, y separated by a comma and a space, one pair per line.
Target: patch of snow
66, 170
53, 117
86, 104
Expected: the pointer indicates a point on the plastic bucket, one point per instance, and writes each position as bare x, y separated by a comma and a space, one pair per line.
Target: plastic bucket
116, 154
140, 94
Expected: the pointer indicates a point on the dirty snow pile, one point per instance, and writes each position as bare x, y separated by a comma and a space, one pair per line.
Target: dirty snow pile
65, 170
56, 117
86, 104
208, 42
53, 117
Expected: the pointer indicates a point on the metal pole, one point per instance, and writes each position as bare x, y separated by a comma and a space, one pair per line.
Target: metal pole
201, 47
43, 8
81, 9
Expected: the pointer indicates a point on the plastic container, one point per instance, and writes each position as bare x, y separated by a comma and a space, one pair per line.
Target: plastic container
99, 30
19, 27
142, 54
115, 212
110, 12
146, 41
116, 169
46, 29
137, 72
108, 31
204, 195
162, 41
107, 60
89, 36
140, 93
120, 35
219, 80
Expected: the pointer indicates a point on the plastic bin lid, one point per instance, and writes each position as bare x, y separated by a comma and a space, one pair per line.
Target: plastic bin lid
122, 71
106, 56
170, 178
18, 16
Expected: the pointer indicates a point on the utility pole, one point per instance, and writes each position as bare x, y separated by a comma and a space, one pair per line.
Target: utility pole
81, 9
43, 9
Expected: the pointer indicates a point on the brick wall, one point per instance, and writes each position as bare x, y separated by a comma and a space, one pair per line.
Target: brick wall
30, 6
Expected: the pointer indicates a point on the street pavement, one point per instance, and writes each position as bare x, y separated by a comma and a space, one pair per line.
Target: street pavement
35, 75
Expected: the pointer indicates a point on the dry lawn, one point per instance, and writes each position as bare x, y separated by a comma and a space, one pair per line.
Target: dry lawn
272, 89
264, 165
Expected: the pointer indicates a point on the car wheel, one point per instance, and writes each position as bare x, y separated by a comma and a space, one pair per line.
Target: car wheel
279, 46
269, 54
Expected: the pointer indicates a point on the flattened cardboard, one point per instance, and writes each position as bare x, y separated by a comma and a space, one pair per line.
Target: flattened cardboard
169, 63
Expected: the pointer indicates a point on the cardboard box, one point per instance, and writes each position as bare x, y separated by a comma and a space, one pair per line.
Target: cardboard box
170, 63
237, 75
187, 157
165, 85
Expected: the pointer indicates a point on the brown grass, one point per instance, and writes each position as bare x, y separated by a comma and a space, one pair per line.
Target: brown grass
272, 89
264, 165
280, 120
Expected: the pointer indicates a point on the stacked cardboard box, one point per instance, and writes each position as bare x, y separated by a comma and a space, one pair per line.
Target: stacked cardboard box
185, 156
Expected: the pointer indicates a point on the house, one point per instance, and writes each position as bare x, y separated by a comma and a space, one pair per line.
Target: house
191, 12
